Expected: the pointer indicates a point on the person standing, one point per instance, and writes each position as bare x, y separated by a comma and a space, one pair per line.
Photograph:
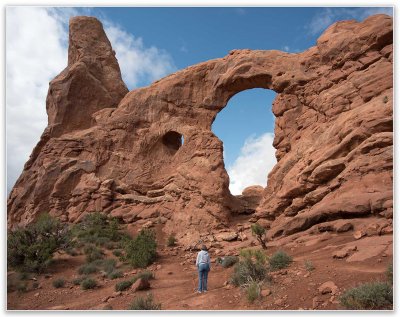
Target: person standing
203, 264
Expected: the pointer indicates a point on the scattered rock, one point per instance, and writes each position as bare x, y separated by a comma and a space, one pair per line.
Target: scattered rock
36, 294
59, 307
328, 287
226, 236
316, 302
359, 234
265, 292
158, 267
170, 273
140, 285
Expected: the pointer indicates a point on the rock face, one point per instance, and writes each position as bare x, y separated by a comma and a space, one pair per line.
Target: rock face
150, 152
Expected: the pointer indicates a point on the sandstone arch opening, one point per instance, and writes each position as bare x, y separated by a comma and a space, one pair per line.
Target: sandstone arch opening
173, 141
245, 126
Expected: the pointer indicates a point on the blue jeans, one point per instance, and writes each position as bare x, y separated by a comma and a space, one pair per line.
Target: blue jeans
203, 269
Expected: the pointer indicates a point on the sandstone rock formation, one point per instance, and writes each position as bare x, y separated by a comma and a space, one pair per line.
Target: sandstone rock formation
150, 153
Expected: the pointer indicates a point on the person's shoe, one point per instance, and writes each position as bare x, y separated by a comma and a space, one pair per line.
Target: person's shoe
198, 292
205, 291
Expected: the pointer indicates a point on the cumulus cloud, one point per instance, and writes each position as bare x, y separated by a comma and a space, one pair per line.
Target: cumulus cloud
255, 161
36, 51
327, 16
139, 64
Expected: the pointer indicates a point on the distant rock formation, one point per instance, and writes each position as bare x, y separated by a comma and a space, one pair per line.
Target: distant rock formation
150, 152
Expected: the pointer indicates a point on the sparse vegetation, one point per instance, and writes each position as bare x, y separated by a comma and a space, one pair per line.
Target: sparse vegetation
369, 296
141, 251
279, 260
93, 253
389, 273
98, 229
228, 261
88, 283
145, 275
117, 253
58, 283
171, 241
260, 233
121, 286
78, 280
23, 276
385, 99
309, 266
115, 274
147, 303
253, 291
31, 249
87, 269
21, 287
250, 268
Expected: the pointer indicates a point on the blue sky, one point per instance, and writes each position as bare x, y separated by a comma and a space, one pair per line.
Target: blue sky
151, 43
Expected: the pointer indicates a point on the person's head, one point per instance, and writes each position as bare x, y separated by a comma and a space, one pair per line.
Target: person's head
204, 248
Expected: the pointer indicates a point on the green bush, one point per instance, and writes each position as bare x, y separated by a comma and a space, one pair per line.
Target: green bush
87, 269
31, 248
98, 229
369, 296
253, 291
22, 287
117, 253
171, 241
93, 253
58, 283
121, 286
260, 233
279, 260
88, 283
250, 268
23, 276
115, 274
147, 303
309, 266
145, 275
78, 280
228, 261
389, 273
141, 251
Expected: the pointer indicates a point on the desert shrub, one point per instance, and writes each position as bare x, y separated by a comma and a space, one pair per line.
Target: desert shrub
389, 273
88, 283
78, 280
23, 276
253, 291
309, 266
117, 253
35, 285
22, 287
375, 295
109, 265
93, 253
279, 260
229, 260
98, 229
58, 283
141, 251
121, 286
115, 274
144, 303
31, 248
260, 233
87, 269
145, 275
171, 241
71, 251
250, 268
385, 99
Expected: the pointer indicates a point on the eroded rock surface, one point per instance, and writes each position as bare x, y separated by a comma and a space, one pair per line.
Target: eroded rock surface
106, 149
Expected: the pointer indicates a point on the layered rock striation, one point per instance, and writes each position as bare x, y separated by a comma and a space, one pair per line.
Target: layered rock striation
150, 152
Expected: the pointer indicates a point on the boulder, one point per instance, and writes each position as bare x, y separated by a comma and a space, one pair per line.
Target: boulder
140, 285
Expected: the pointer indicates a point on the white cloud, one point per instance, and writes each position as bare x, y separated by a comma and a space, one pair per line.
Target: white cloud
139, 64
286, 48
327, 16
36, 51
256, 160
